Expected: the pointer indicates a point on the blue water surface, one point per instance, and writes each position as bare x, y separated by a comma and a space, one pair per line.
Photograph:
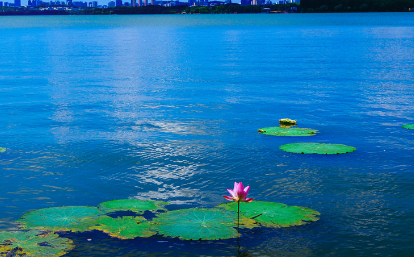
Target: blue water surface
167, 107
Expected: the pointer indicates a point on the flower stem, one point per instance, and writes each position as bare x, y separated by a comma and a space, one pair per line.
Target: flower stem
238, 216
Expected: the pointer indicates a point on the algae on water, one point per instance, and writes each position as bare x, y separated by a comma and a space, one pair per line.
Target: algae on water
287, 121
2, 149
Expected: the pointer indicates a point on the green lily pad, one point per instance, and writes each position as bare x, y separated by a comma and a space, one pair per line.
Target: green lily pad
70, 218
126, 227
2, 149
34, 243
134, 205
408, 126
288, 132
197, 224
317, 148
272, 214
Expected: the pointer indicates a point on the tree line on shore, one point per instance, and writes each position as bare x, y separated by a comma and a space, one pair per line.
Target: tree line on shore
356, 5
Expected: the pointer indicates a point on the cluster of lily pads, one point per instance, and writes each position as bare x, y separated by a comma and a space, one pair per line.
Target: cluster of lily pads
38, 235
286, 129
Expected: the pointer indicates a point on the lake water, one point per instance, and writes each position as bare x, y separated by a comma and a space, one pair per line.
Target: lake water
167, 107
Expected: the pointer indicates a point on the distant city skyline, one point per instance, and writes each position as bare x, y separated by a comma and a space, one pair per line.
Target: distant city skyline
122, 2
100, 2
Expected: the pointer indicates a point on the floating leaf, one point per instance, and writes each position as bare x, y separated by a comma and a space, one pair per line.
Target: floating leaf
287, 121
198, 224
289, 132
2, 149
271, 130
70, 218
271, 214
126, 227
34, 243
247, 223
287, 125
134, 205
318, 148
408, 126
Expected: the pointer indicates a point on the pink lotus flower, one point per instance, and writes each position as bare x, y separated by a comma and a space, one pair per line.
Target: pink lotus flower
239, 193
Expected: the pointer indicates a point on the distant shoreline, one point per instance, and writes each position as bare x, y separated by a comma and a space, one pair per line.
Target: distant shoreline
183, 9
75, 14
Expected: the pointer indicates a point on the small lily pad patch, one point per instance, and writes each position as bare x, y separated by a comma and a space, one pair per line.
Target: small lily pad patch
198, 224
272, 214
34, 243
137, 206
408, 126
288, 132
317, 148
126, 227
2, 149
70, 218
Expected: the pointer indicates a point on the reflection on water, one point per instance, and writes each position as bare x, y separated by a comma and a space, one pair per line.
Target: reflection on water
168, 107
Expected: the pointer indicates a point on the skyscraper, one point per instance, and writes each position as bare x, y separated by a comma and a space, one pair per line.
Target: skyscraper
118, 3
134, 3
17, 3
146, 2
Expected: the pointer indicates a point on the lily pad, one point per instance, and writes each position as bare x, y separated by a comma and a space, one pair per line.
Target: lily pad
272, 214
70, 218
288, 132
287, 125
2, 149
287, 121
271, 130
34, 243
408, 126
126, 227
317, 148
198, 224
137, 206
